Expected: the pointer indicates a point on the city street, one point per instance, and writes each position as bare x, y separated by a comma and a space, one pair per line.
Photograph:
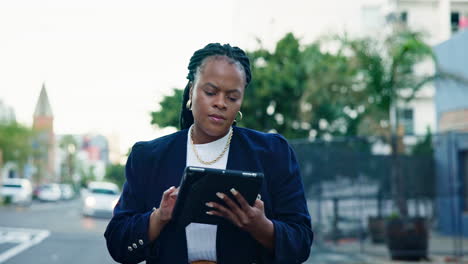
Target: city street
71, 238
57, 233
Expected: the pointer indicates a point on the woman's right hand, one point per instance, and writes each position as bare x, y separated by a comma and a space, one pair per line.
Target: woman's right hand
167, 204
162, 215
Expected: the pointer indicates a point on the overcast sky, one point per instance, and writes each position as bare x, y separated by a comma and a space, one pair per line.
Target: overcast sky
106, 63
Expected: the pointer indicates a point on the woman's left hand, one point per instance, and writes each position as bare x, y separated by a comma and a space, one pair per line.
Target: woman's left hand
249, 218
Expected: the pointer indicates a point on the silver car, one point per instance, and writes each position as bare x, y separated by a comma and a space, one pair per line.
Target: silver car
100, 199
16, 191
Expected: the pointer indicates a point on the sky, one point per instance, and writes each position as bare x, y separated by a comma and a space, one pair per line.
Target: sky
107, 63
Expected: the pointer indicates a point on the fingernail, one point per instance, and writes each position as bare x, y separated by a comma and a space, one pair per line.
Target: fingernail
233, 191
209, 213
209, 204
220, 195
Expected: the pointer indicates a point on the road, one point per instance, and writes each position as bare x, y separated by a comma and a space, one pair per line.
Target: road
57, 233
71, 237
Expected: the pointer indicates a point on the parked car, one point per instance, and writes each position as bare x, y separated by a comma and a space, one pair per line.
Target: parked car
17, 191
49, 192
66, 191
100, 199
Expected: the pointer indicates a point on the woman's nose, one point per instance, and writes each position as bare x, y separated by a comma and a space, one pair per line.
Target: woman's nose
220, 101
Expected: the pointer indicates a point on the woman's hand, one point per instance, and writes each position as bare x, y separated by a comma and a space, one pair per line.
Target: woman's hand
162, 215
249, 218
167, 204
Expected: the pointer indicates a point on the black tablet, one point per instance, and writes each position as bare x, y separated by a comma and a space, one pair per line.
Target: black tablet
200, 185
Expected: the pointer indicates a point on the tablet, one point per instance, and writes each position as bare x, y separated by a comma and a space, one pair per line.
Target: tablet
200, 185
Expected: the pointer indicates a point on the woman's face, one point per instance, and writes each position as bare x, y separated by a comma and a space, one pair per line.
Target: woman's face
217, 96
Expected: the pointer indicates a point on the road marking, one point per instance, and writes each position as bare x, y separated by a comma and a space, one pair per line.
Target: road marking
26, 237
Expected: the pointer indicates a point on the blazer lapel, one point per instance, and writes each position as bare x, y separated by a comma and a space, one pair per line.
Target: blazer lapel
229, 237
177, 157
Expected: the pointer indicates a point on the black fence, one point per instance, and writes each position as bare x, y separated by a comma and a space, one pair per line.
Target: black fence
361, 198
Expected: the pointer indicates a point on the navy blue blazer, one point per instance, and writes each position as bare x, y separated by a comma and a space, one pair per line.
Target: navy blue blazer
156, 165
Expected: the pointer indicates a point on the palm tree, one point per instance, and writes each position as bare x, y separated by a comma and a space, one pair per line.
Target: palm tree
390, 72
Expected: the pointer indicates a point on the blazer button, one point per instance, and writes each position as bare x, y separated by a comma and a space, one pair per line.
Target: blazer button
141, 242
134, 246
130, 249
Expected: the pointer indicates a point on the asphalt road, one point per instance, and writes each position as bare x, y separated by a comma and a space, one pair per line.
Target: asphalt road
70, 238
58, 233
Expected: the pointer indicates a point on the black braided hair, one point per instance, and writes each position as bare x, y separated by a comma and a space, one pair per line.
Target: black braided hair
213, 49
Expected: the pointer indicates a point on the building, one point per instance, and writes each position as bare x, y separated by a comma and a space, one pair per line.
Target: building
43, 124
79, 157
451, 145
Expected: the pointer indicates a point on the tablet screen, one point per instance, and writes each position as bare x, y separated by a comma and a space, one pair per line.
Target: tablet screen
200, 185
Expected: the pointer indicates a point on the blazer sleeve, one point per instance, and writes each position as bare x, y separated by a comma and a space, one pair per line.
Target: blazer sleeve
291, 219
127, 232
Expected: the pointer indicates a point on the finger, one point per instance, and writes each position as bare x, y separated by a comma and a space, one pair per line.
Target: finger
220, 214
223, 212
259, 204
175, 192
167, 193
243, 203
240, 213
229, 202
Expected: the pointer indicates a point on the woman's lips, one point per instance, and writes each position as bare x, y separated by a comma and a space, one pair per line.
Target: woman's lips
216, 118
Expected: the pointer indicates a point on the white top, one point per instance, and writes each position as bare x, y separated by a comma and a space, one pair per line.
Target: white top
201, 238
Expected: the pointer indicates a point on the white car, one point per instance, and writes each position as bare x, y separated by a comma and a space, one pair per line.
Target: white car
17, 191
49, 192
100, 199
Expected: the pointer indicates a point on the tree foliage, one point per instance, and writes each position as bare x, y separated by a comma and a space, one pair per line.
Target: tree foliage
115, 173
317, 91
16, 143
168, 115
69, 146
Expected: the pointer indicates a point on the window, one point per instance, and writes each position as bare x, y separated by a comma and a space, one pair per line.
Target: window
104, 191
454, 21
404, 17
406, 120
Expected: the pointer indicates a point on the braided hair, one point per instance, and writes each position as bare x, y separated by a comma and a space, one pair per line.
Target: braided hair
234, 54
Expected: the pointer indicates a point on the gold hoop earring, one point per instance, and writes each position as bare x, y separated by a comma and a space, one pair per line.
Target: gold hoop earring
188, 105
240, 116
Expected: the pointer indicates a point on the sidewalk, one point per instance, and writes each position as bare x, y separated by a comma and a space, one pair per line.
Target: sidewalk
441, 250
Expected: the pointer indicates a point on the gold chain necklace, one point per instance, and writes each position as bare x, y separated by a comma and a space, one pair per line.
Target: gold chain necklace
217, 158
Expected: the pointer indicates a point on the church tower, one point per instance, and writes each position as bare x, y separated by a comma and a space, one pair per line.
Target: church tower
43, 124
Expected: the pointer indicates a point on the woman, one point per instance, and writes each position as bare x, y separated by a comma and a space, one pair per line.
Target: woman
276, 229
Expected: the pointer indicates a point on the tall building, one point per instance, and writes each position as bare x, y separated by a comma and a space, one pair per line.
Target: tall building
438, 20
43, 124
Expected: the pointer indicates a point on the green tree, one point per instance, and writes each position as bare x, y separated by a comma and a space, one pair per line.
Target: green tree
271, 102
87, 175
424, 146
389, 70
69, 145
16, 144
116, 173
282, 91
168, 114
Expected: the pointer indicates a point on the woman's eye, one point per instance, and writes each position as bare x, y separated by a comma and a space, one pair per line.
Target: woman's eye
209, 93
232, 99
